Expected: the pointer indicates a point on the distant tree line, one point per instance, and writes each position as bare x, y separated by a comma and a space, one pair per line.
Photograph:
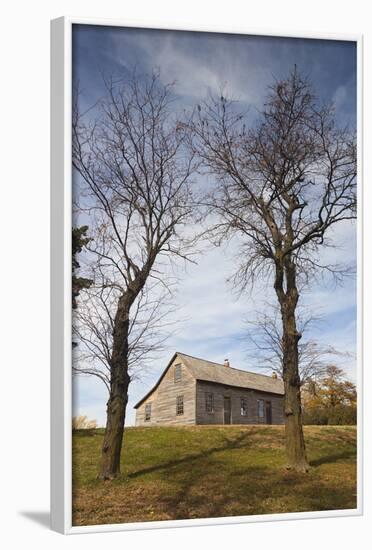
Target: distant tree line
331, 399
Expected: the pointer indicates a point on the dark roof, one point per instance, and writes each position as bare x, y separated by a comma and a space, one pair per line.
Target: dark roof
207, 371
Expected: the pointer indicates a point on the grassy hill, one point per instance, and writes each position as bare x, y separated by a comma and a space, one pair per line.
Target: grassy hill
199, 472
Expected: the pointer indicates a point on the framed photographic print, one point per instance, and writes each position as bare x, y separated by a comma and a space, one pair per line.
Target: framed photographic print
206, 302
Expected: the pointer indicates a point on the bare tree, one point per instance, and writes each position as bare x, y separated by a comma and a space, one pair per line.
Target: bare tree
265, 336
283, 184
134, 170
150, 326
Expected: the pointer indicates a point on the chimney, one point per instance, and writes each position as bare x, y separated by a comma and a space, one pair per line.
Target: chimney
274, 375
226, 363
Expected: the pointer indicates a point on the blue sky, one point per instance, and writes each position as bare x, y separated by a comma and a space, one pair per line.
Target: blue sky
200, 63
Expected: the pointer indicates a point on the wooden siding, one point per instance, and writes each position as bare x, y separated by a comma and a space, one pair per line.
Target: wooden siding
252, 396
163, 399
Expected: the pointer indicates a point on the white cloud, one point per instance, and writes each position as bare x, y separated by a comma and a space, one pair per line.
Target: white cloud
340, 97
213, 67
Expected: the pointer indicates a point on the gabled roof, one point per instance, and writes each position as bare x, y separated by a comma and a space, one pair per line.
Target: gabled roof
207, 371
229, 376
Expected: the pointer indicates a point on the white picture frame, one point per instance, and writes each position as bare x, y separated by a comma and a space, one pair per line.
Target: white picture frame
61, 368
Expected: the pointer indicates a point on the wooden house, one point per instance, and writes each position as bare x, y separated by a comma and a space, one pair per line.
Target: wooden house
196, 391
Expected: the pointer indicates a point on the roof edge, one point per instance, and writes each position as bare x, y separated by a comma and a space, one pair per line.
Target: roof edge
270, 392
159, 380
222, 365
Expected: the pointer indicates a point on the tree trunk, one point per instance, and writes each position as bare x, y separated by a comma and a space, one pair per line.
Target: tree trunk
295, 443
114, 432
117, 402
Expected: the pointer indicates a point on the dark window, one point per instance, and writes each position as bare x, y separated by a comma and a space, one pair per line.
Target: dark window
179, 404
148, 411
269, 414
209, 403
177, 372
243, 406
261, 408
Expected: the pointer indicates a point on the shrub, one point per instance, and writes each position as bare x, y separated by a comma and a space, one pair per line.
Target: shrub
83, 423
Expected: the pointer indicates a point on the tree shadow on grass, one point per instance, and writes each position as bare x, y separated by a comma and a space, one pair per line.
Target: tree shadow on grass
332, 458
232, 478
187, 499
230, 444
254, 489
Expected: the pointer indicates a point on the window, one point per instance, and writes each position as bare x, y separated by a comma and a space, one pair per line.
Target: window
148, 411
243, 407
269, 414
177, 372
179, 404
261, 408
209, 403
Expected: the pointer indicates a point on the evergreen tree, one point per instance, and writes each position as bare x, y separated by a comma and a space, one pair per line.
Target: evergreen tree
79, 241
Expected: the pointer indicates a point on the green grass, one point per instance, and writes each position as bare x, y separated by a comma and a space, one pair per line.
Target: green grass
199, 472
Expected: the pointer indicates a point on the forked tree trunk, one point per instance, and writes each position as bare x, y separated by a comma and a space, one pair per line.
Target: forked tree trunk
294, 436
117, 402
